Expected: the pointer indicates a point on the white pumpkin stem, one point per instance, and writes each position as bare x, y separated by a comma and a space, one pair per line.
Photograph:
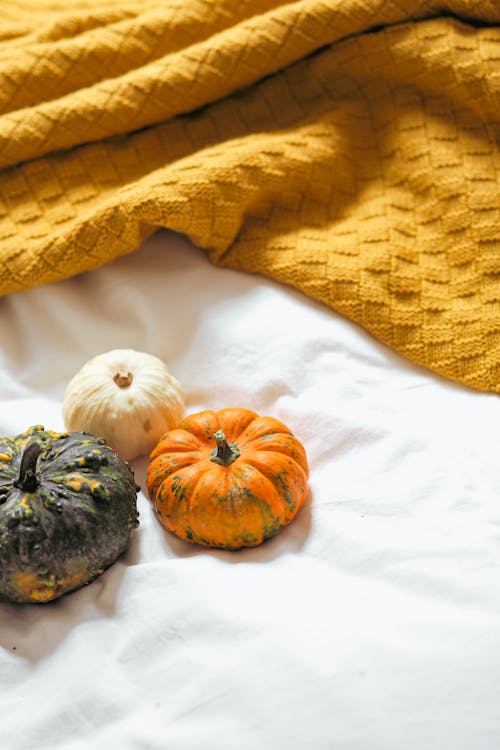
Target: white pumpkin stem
123, 380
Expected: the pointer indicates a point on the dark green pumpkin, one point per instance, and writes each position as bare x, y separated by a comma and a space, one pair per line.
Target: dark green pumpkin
68, 505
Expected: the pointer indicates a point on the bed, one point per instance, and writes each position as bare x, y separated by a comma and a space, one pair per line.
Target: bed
294, 205
371, 622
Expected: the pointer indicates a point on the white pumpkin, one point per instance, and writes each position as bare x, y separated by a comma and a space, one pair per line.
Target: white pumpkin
127, 397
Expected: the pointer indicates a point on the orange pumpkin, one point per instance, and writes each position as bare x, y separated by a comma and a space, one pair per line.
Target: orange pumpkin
227, 479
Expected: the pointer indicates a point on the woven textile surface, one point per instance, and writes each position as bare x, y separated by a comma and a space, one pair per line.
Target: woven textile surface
346, 147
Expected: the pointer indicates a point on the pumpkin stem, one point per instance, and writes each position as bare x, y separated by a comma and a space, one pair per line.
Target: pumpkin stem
225, 453
27, 480
123, 380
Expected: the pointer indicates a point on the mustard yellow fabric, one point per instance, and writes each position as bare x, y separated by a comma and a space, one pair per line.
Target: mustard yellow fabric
346, 147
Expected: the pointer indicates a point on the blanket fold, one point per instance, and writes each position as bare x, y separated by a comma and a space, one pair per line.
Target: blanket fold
349, 149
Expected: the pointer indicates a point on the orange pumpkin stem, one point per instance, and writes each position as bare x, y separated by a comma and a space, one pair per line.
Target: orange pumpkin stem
225, 453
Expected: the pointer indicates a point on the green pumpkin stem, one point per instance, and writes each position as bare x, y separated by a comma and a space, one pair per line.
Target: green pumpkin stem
225, 453
27, 480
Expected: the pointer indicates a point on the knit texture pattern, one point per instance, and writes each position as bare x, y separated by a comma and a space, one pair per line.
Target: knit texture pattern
348, 148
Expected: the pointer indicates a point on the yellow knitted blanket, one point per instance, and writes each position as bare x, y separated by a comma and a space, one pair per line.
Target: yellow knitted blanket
346, 147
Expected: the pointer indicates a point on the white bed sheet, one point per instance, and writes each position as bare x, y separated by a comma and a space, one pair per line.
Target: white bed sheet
372, 622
